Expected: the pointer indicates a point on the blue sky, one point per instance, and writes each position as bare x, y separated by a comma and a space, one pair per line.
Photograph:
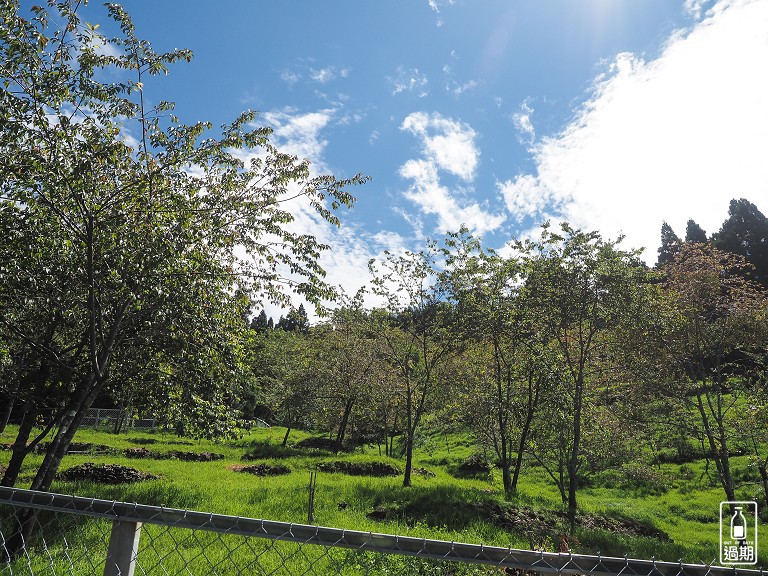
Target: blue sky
498, 114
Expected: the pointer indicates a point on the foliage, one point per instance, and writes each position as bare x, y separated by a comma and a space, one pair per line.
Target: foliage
415, 333
583, 288
129, 253
745, 232
713, 344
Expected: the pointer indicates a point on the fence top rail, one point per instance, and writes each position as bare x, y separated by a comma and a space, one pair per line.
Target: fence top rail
549, 562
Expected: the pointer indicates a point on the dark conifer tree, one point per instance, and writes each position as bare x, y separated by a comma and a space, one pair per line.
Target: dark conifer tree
695, 233
670, 244
260, 322
745, 232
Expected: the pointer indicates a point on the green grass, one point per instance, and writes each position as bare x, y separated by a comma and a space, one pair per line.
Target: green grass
684, 503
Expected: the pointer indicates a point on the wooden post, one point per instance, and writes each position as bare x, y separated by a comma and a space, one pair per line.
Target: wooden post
123, 547
311, 502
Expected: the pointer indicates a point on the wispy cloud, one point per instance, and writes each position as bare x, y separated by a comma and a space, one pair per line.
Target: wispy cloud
668, 139
409, 80
447, 145
299, 133
522, 121
436, 4
290, 77
323, 75
305, 70
696, 7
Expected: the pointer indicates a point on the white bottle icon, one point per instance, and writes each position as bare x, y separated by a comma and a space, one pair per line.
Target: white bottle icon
738, 525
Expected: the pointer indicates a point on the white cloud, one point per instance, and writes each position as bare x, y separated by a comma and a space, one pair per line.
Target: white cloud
290, 77
524, 196
323, 76
523, 124
458, 89
447, 145
346, 262
299, 133
410, 80
696, 7
668, 139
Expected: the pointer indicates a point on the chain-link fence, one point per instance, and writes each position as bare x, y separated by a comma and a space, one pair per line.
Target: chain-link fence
42, 533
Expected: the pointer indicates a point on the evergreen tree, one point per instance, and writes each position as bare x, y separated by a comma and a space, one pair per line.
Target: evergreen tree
260, 322
670, 244
695, 233
745, 232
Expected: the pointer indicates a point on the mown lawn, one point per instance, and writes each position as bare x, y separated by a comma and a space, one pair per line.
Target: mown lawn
683, 502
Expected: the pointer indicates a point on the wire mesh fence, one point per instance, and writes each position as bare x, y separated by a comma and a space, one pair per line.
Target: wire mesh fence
43, 533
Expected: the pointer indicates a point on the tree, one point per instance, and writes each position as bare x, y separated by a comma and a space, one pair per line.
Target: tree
296, 320
670, 244
581, 288
694, 232
489, 294
121, 245
260, 322
413, 329
349, 366
745, 232
715, 338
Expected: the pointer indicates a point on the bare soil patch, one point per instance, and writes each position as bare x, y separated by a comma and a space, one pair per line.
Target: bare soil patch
106, 473
377, 469
261, 469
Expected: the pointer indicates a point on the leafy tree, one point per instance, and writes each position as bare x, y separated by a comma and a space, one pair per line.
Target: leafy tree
670, 244
694, 232
413, 329
715, 339
581, 288
349, 367
489, 292
745, 232
118, 245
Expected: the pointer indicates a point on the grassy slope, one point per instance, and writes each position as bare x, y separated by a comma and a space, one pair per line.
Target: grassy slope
443, 506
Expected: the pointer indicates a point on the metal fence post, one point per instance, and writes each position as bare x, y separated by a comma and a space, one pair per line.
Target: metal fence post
123, 547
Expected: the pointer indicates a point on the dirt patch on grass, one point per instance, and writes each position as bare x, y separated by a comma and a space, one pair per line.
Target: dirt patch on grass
142, 452
538, 526
378, 469
262, 469
106, 473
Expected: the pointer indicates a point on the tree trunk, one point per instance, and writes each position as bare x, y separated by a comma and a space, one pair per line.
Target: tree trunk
75, 412
344, 422
9, 399
533, 400
410, 432
285, 438
20, 449
506, 476
763, 469
720, 453
573, 461
408, 458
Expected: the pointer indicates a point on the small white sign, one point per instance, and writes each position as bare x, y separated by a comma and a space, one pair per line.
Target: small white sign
738, 533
